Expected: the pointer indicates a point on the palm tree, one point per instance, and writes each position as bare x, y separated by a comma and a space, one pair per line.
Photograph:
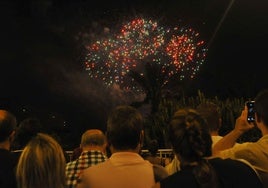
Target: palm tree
154, 81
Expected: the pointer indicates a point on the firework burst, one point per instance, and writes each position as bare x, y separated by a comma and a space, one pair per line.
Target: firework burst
110, 59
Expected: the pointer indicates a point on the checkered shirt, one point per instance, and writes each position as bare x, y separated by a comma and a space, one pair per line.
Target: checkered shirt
86, 159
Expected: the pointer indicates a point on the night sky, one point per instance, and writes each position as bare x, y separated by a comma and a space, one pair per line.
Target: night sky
41, 72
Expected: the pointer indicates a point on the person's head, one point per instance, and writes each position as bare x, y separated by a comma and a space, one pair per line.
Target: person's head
153, 147
189, 135
27, 129
93, 139
191, 142
41, 164
125, 128
8, 125
211, 112
261, 107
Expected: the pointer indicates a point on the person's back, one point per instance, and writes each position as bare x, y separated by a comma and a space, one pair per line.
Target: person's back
125, 167
192, 142
211, 112
255, 153
8, 125
93, 144
230, 173
235, 173
27, 129
124, 170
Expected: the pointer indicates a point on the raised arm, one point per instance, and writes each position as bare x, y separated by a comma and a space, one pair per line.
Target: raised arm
229, 140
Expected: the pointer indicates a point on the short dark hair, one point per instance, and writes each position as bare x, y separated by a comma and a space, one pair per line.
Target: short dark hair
28, 128
261, 106
211, 112
124, 127
8, 124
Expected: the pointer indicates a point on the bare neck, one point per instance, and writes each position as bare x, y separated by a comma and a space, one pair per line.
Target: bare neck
263, 128
114, 150
90, 148
264, 131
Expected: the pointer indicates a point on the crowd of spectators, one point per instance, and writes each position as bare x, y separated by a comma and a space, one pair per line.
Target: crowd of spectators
30, 157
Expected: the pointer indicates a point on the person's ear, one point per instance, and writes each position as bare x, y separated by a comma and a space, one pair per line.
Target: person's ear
11, 136
105, 146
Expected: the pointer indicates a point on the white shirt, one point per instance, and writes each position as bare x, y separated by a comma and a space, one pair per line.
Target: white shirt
121, 170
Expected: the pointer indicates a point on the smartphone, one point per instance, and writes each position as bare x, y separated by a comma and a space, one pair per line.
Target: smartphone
251, 111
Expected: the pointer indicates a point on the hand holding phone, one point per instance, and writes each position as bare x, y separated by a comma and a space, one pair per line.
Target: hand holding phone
251, 111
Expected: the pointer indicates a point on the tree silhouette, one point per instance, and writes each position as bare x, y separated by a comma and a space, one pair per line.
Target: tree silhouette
155, 81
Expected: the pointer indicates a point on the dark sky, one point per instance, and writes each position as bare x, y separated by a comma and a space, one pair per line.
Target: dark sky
39, 56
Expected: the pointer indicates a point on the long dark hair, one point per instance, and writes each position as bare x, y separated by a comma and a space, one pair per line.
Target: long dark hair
191, 141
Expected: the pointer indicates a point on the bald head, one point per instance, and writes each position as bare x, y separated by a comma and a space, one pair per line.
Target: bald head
93, 137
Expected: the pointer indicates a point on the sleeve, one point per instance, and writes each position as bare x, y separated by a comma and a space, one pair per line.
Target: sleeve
237, 148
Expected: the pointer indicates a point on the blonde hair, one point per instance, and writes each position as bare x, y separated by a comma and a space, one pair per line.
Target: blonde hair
41, 164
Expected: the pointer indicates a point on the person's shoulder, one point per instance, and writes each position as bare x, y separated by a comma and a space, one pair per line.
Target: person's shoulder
264, 138
241, 148
225, 161
5, 153
8, 158
98, 167
244, 172
221, 164
71, 164
232, 166
159, 172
